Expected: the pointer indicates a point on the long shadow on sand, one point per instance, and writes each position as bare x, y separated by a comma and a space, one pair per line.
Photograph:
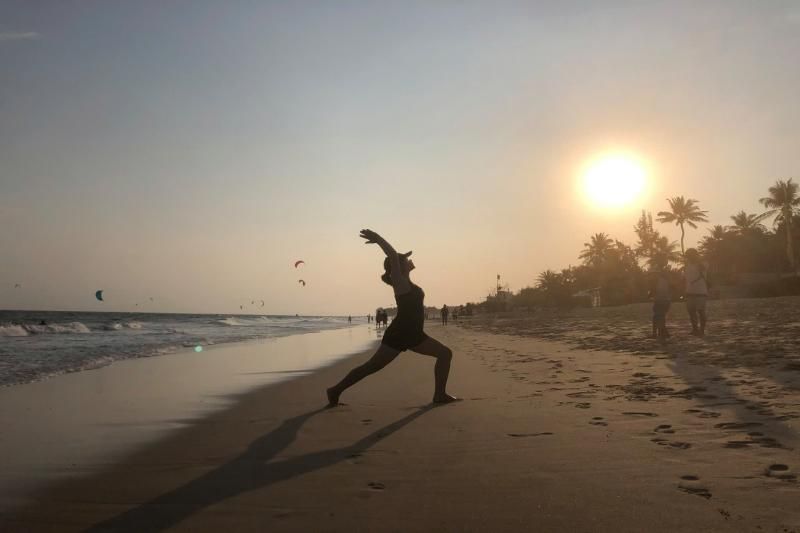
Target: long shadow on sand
708, 387
756, 336
248, 471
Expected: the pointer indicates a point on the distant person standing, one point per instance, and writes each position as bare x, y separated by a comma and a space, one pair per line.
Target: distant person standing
445, 313
694, 272
349, 319
661, 292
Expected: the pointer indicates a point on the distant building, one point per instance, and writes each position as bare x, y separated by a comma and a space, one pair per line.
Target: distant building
593, 295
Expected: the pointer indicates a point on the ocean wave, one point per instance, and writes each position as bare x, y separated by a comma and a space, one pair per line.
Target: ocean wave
73, 341
230, 321
40, 329
12, 330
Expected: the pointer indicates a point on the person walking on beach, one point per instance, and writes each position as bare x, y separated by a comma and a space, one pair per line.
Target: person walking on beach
662, 297
445, 312
405, 332
694, 272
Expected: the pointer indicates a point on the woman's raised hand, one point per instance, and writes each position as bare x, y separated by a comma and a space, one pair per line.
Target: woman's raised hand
370, 236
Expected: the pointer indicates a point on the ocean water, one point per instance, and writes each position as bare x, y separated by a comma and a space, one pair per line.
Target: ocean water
73, 341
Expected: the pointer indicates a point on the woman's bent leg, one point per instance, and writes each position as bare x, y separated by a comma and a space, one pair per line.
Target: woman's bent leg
441, 370
382, 357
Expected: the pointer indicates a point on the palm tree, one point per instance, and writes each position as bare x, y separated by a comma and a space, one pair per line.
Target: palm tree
549, 280
597, 249
783, 203
744, 223
664, 253
646, 233
712, 246
682, 212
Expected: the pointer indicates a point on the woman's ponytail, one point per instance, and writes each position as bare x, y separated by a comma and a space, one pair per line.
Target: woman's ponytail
386, 277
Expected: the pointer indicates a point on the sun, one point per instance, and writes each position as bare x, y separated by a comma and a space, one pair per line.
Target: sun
614, 180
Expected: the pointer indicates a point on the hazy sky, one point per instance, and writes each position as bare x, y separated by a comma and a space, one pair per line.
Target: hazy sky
191, 151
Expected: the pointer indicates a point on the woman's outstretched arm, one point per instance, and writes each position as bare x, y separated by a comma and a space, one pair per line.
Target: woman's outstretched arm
373, 238
399, 282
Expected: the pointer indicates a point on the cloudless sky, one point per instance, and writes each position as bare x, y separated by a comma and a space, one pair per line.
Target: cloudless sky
191, 151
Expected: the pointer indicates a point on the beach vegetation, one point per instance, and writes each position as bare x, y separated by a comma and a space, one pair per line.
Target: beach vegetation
744, 258
682, 212
783, 203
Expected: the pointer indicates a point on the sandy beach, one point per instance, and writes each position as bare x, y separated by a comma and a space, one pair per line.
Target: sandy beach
550, 437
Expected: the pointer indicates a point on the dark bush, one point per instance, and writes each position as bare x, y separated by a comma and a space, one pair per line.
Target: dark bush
778, 287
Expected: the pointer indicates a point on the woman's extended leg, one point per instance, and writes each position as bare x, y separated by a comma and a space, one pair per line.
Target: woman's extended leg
441, 371
382, 357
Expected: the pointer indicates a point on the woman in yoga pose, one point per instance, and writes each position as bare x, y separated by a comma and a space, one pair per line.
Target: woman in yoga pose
405, 332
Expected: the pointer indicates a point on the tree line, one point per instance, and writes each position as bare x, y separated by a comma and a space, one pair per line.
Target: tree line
621, 273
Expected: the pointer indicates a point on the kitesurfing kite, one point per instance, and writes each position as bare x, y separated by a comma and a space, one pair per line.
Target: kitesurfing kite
301, 281
298, 263
99, 295
262, 303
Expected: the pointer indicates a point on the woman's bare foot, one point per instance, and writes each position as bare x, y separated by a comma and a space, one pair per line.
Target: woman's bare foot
333, 397
445, 398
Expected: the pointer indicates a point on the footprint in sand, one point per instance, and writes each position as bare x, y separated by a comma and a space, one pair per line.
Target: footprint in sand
734, 444
671, 443
764, 441
638, 413
376, 485
692, 485
664, 428
598, 421
354, 458
529, 434
703, 414
780, 471
366, 421
583, 405
738, 425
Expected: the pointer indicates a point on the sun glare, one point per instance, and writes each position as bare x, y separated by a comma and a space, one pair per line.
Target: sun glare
614, 180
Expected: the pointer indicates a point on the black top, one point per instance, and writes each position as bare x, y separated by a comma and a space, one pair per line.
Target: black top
410, 308
405, 330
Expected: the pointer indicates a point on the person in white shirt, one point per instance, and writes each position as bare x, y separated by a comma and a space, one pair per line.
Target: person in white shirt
696, 291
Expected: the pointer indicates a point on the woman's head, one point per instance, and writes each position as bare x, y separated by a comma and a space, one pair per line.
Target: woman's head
406, 266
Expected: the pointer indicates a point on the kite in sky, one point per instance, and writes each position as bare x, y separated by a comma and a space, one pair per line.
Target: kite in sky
298, 263
301, 281
99, 295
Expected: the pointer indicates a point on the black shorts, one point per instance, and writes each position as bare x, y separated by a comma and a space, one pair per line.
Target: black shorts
402, 340
660, 310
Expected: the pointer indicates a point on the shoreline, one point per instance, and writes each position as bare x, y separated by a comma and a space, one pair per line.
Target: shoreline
40, 345
76, 422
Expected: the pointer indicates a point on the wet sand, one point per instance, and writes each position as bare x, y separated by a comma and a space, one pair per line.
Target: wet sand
75, 424
550, 437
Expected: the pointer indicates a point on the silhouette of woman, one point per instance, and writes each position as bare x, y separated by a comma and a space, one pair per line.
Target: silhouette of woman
405, 332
